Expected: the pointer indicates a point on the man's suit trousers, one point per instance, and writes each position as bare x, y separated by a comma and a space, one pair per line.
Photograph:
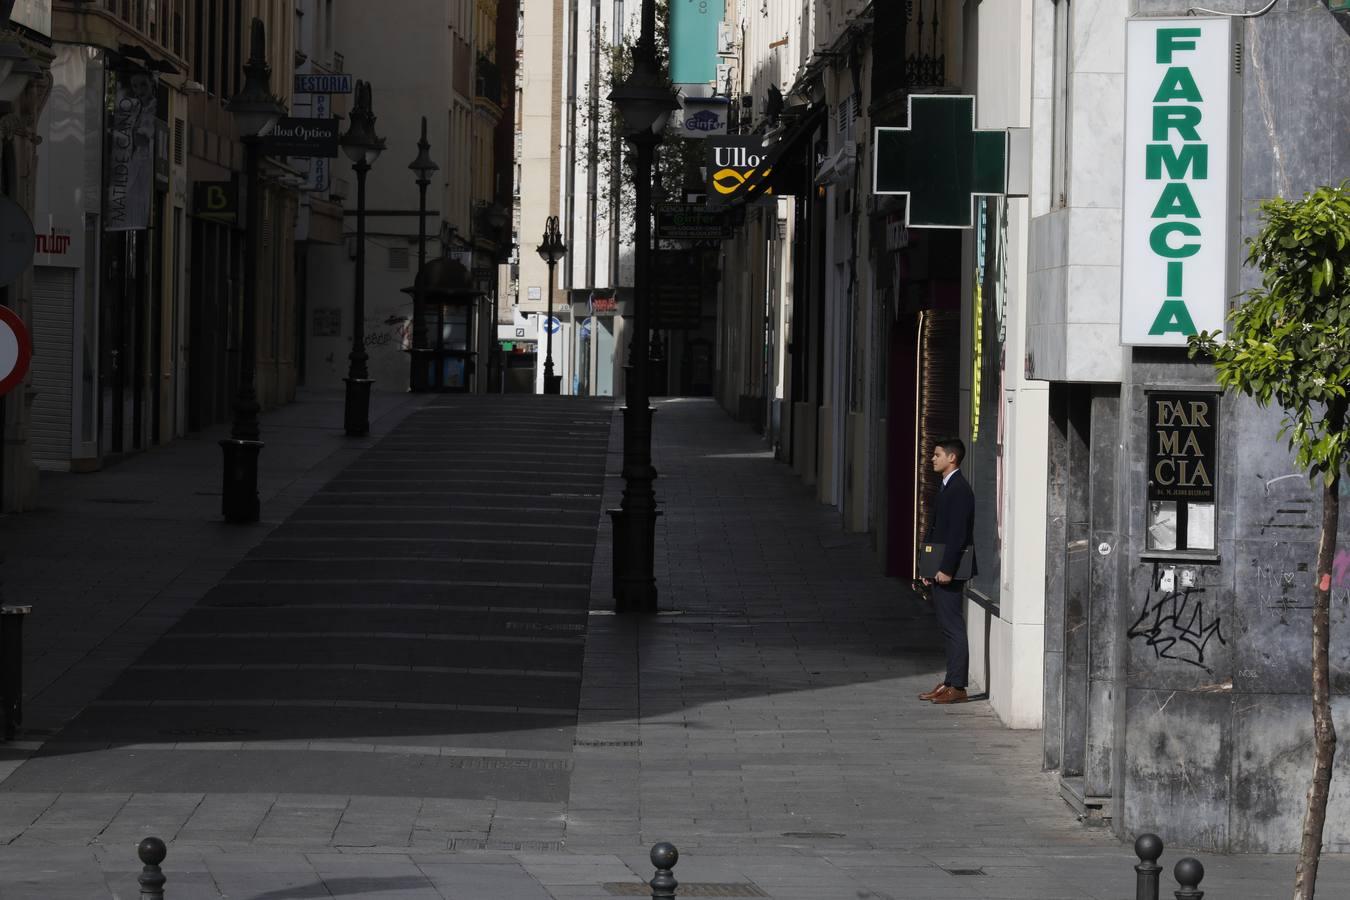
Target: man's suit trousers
949, 605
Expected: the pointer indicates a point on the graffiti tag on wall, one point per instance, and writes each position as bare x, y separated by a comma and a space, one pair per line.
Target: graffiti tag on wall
1174, 626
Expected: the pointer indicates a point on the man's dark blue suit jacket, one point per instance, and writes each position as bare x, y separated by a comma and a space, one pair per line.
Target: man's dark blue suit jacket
954, 524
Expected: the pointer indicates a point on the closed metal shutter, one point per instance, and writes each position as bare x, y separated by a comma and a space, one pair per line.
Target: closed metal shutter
53, 365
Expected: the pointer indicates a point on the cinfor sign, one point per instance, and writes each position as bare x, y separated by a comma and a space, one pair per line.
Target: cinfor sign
1178, 225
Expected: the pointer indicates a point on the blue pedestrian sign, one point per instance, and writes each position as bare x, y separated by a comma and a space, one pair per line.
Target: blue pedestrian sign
323, 83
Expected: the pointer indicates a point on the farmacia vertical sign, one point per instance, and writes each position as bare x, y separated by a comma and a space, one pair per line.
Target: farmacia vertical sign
1182, 79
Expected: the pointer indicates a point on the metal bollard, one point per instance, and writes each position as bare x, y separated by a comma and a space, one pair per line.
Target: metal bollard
11, 667
152, 852
663, 884
1148, 847
1189, 874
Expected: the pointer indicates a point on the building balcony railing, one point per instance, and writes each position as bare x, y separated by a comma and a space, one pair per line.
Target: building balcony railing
488, 80
919, 30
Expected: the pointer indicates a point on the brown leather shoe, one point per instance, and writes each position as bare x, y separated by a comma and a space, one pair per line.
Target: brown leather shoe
950, 694
929, 695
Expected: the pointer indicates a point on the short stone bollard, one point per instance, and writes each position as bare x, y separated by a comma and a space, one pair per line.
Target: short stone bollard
152, 852
663, 884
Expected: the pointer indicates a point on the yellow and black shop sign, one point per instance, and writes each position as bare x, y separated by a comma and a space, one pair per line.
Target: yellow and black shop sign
738, 169
217, 201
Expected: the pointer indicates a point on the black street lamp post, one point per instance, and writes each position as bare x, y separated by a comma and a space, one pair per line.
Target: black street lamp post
425, 167
498, 225
645, 100
362, 147
551, 250
255, 110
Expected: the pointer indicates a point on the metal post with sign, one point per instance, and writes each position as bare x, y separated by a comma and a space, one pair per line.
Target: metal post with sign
16, 350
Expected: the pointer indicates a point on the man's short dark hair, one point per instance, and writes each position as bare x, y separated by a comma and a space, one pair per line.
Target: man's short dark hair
954, 446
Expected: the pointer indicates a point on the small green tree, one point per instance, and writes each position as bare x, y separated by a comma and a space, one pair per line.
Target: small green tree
1289, 343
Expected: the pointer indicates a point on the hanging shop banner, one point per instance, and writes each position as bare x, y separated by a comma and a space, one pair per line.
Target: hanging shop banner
677, 290
691, 222
131, 152
217, 201
693, 40
737, 168
1178, 228
1181, 441
701, 117
305, 137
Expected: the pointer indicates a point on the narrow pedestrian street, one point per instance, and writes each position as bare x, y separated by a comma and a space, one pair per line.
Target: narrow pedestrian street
408, 682
431, 596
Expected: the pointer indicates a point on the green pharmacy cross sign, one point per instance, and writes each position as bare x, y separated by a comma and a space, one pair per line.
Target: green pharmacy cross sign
941, 162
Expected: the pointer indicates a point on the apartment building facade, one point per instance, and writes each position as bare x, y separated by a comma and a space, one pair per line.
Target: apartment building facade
460, 83
139, 285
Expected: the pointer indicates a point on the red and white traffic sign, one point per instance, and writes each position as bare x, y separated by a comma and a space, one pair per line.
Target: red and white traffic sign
16, 350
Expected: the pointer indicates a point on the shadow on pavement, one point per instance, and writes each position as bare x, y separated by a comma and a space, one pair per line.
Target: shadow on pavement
436, 593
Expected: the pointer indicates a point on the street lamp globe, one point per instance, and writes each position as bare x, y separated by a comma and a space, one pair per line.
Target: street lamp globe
360, 142
255, 108
645, 100
424, 166
552, 248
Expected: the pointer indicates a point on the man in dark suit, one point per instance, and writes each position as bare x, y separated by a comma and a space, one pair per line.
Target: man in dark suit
954, 528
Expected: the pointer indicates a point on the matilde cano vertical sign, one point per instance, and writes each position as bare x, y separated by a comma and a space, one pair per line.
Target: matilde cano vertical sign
1181, 83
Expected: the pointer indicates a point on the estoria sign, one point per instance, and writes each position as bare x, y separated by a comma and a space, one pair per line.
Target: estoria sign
1179, 225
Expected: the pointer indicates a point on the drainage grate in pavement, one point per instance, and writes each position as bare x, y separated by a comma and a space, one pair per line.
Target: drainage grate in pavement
546, 626
532, 764
813, 834
687, 889
607, 743
964, 871
513, 846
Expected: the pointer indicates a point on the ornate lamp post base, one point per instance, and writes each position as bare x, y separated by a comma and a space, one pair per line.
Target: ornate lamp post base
552, 383
239, 492
356, 415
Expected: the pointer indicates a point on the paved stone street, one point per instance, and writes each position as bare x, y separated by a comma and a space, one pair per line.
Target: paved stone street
392, 686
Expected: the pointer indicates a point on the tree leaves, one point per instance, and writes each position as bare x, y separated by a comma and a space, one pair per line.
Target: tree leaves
1289, 341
